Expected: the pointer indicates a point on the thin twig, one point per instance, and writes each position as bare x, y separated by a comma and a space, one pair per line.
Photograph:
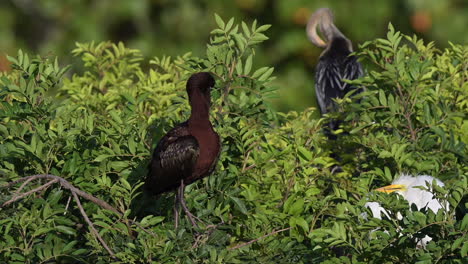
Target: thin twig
8, 185
208, 231
66, 206
262, 237
142, 228
248, 168
18, 197
95, 232
23, 185
197, 241
288, 190
245, 160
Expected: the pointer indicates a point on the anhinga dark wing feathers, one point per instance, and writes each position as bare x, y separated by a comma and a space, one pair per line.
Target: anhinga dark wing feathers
353, 70
327, 85
174, 159
334, 66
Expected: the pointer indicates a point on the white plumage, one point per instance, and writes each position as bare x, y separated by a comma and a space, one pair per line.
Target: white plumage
405, 186
421, 198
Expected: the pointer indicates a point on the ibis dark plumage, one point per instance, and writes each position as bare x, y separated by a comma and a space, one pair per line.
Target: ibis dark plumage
190, 150
335, 63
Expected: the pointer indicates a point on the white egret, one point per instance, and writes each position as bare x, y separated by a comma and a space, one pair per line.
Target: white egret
405, 186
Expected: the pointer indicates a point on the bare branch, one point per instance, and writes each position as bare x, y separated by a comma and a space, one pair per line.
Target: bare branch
67, 185
89, 197
18, 197
23, 185
94, 231
262, 237
75, 192
8, 185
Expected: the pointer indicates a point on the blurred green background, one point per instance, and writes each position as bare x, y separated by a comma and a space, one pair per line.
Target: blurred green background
174, 27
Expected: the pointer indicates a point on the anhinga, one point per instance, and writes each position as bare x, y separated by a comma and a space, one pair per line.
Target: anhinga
407, 186
335, 63
190, 150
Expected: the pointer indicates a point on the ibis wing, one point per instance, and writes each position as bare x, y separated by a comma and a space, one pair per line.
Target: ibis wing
173, 159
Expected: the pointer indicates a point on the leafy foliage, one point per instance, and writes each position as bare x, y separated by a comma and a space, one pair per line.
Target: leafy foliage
45, 26
277, 196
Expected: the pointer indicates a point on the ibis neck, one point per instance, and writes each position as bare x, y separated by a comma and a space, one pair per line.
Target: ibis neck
200, 107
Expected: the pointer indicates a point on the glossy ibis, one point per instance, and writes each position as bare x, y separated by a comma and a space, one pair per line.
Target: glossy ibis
190, 150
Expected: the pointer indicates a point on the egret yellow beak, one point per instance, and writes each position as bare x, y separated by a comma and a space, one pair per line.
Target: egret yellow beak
392, 188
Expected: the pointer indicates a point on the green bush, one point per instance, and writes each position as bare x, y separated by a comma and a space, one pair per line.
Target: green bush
275, 196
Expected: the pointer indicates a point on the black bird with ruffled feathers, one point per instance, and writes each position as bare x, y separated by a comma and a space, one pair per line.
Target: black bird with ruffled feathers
335, 63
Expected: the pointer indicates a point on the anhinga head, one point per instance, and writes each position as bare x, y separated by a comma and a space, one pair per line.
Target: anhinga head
323, 19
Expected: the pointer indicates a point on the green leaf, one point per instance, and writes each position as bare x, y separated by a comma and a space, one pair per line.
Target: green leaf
239, 204
456, 244
229, 24
42, 230
420, 217
65, 229
240, 41
259, 37
245, 29
79, 252
125, 184
297, 207
388, 174
217, 31
259, 72
115, 116
69, 246
299, 221
219, 21
464, 223
385, 154
464, 250
132, 145
382, 98
262, 28
266, 74
304, 153
102, 157
12, 60
248, 65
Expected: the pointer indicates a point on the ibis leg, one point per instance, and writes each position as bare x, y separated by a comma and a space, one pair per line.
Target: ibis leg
176, 209
184, 206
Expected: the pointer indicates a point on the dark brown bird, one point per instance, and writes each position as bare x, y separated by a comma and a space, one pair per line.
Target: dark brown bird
335, 63
189, 151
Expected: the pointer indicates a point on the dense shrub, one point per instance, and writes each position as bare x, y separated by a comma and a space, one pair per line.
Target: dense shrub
278, 194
